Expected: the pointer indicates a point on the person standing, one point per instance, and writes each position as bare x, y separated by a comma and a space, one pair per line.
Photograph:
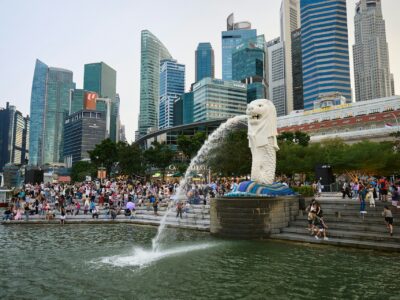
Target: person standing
387, 214
362, 194
62, 215
155, 206
179, 209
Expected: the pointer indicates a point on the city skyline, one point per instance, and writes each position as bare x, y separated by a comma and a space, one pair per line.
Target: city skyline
116, 41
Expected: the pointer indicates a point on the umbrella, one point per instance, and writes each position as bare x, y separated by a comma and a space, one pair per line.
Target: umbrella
130, 205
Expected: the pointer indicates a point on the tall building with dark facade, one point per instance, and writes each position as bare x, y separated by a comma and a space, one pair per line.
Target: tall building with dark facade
372, 76
152, 52
235, 34
248, 66
325, 50
178, 111
297, 71
14, 136
102, 79
172, 86
204, 61
83, 131
188, 107
50, 101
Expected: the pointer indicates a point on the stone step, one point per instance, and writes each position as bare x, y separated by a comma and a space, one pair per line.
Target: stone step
356, 212
380, 228
386, 246
349, 234
356, 219
172, 219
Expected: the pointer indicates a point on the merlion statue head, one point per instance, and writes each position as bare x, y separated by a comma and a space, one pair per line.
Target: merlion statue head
262, 120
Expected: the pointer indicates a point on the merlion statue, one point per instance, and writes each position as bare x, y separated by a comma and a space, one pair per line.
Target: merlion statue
262, 132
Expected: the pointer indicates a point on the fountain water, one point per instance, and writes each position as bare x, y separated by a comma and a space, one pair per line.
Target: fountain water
211, 142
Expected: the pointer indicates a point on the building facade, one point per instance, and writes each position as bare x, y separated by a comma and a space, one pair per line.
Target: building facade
248, 66
178, 111
14, 136
218, 99
172, 86
204, 61
102, 79
325, 50
290, 21
372, 76
276, 75
188, 108
83, 131
152, 52
297, 71
50, 100
235, 34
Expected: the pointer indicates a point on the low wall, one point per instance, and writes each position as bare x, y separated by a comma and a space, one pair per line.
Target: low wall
251, 218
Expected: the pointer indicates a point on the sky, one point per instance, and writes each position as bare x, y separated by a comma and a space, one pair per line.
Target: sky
69, 34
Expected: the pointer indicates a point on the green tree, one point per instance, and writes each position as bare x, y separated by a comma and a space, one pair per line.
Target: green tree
81, 169
104, 154
190, 145
131, 159
232, 156
159, 156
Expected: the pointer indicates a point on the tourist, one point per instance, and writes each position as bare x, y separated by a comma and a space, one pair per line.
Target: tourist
356, 188
26, 211
395, 195
179, 209
320, 226
77, 207
387, 214
7, 216
113, 213
62, 216
370, 196
155, 206
362, 195
95, 212
383, 189
346, 190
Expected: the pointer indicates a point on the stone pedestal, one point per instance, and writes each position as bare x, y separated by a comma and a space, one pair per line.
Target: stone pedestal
251, 218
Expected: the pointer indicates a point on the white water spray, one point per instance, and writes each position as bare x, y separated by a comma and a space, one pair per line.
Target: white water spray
212, 141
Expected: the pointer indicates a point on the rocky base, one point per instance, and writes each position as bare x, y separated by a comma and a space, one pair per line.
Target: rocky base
251, 217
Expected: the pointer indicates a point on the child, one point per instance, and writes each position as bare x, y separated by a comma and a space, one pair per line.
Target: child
387, 214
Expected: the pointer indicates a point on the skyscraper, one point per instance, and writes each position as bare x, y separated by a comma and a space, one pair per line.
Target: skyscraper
234, 35
152, 52
14, 135
290, 21
297, 71
172, 86
204, 61
371, 56
276, 75
215, 99
187, 99
325, 49
102, 79
248, 66
49, 107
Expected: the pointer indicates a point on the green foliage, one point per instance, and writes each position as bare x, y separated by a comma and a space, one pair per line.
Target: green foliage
104, 154
305, 190
159, 156
131, 159
81, 169
190, 145
233, 156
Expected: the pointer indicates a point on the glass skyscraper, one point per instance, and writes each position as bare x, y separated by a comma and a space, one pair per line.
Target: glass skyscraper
49, 108
187, 99
204, 61
325, 50
248, 66
102, 79
297, 71
152, 52
235, 35
172, 86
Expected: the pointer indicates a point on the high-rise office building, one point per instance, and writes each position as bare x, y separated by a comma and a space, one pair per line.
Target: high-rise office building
276, 75
325, 49
248, 66
371, 56
234, 35
172, 86
290, 21
152, 52
204, 61
50, 100
297, 70
83, 131
218, 99
102, 79
187, 104
14, 136
178, 111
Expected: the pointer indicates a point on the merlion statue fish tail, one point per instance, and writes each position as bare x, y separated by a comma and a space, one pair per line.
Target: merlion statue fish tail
262, 132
